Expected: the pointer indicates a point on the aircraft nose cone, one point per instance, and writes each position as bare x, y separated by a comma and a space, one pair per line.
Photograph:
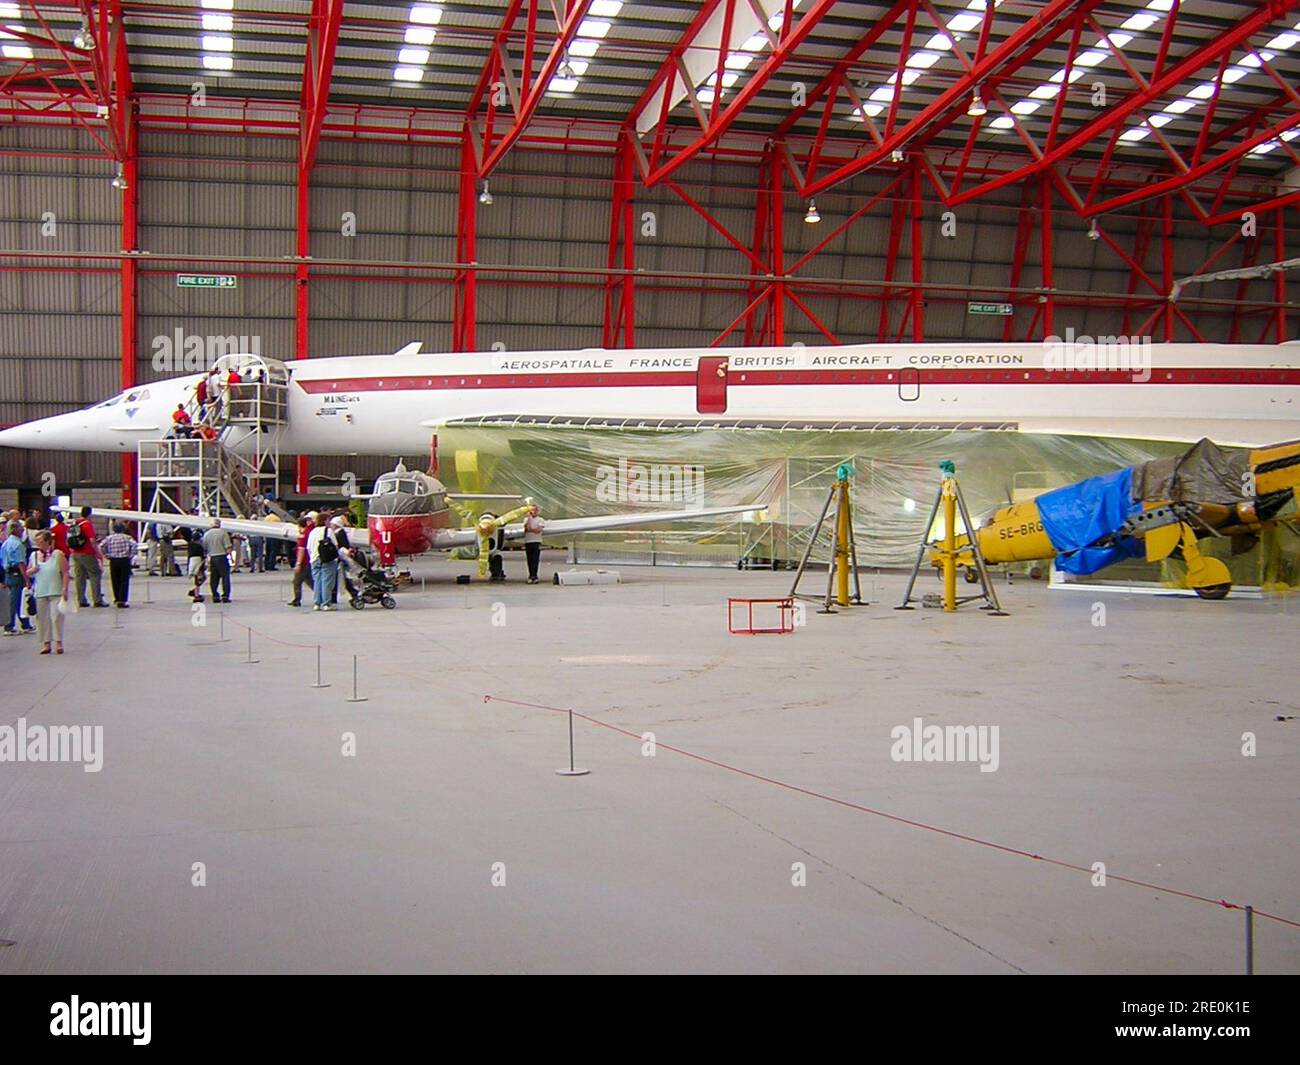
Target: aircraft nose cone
19, 436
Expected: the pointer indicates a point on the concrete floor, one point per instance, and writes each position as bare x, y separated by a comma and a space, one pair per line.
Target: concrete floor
1119, 744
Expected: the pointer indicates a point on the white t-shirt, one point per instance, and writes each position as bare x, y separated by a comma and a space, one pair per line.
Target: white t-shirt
314, 539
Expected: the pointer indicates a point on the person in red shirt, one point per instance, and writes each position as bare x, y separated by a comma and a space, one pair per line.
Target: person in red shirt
59, 530
201, 398
301, 564
181, 421
86, 567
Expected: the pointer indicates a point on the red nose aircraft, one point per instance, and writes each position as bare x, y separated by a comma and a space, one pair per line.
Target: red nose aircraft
410, 513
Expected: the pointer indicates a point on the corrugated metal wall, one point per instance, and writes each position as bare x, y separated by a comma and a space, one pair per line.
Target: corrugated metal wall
230, 197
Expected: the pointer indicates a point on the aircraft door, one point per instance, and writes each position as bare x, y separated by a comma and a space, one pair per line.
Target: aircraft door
909, 384
711, 385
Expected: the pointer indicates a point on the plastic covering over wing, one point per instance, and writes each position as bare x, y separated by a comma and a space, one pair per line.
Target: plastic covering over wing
278, 530
560, 527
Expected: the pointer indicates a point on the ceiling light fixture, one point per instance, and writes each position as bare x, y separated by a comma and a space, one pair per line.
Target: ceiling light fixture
812, 217
976, 108
485, 197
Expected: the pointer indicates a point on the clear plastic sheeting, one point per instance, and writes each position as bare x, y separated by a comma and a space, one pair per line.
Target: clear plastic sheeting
786, 475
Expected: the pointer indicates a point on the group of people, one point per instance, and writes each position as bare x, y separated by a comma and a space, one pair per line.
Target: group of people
51, 562
215, 397
321, 554
46, 558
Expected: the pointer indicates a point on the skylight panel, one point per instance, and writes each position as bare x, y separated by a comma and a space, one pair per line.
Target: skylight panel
1139, 22
420, 32
217, 40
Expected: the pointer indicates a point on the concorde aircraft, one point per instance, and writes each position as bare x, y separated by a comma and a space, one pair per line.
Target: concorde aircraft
1154, 510
411, 513
388, 404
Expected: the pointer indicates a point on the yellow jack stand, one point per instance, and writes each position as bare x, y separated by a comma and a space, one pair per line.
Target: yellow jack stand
844, 549
950, 498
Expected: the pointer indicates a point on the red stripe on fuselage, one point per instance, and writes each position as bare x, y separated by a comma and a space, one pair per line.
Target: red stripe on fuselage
740, 378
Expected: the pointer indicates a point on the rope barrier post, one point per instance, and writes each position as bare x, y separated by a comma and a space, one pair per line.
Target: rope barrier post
148, 591
1250, 940
117, 610
571, 771
318, 683
251, 661
355, 698
221, 617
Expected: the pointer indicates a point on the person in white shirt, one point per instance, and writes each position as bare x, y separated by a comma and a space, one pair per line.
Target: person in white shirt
323, 553
534, 527
217, 544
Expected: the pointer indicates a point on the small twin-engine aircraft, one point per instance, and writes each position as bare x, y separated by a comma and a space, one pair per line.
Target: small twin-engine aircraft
410, 513
1154, 510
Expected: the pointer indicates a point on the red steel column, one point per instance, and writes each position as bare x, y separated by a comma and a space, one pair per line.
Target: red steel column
918, 272
776, 204
301, 331
755, 326
130, 292
1279, 279
1167, 262
896, 216
620, 292
465, 291
1048, 318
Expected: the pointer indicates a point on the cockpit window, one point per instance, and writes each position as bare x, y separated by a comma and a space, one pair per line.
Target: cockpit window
399, 486
107, 403
137, 397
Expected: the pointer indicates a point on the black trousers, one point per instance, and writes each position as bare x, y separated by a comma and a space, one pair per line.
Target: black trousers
219, 567
533, 552
119, 575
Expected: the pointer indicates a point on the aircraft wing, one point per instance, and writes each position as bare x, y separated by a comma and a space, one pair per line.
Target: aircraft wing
561, 527
278, 530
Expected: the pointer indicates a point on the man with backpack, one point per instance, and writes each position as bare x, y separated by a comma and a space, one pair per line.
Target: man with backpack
86, 559
323, 550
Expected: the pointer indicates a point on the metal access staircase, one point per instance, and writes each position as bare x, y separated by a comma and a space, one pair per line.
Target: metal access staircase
234, 452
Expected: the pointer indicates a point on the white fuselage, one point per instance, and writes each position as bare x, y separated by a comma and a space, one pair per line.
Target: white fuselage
390, 404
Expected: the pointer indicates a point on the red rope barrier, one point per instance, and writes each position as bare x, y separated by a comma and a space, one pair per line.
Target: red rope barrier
1225, 903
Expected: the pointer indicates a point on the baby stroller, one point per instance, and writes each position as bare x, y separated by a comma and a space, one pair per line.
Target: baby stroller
373, 585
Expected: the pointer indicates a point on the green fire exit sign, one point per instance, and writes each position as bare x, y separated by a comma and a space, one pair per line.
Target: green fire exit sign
205, 281
990, 308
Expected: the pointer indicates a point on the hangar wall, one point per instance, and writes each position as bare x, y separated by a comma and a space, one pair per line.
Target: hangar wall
222, 198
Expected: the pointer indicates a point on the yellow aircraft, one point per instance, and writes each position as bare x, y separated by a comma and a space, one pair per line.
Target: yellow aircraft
1156, 510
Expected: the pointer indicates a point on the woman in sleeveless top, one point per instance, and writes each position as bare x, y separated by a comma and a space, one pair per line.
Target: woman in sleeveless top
49, 570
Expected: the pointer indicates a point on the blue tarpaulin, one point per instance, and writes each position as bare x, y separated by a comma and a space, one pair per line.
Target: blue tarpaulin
1081, 514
